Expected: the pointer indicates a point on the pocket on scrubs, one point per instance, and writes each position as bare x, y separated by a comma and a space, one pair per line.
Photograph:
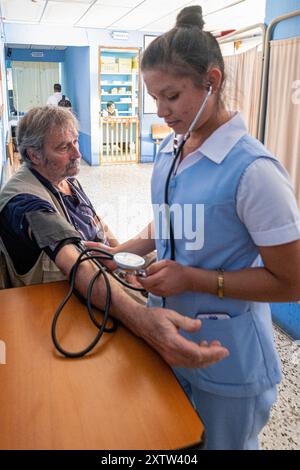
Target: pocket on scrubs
245, 364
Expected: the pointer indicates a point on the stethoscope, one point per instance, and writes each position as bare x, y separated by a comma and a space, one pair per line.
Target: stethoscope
167, 184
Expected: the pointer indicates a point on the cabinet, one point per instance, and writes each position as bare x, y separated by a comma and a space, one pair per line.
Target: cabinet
119, 83
119, 80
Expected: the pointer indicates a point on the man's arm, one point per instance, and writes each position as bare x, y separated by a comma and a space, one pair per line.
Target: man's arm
158, 327
16, 233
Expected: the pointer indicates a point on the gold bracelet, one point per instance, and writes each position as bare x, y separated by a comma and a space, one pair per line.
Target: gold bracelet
220, 283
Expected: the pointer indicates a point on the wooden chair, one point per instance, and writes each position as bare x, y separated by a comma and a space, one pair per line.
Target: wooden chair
158, 133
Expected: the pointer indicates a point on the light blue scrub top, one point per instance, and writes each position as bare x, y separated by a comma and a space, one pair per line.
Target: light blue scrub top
206, 198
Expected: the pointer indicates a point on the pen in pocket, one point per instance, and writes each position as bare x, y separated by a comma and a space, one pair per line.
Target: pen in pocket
213, 316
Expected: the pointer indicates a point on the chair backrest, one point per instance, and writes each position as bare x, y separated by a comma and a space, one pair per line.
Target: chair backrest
160, 131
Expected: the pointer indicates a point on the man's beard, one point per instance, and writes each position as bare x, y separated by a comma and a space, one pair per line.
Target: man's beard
72, 165
68, 170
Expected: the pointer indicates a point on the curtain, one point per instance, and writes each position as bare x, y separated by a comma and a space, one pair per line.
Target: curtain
33, 83
283, 107
243, 85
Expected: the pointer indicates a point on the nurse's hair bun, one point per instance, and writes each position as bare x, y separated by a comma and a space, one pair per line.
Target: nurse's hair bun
190, 16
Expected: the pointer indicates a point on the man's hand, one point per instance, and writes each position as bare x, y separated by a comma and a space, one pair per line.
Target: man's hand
159, 329
111, 265
165, 278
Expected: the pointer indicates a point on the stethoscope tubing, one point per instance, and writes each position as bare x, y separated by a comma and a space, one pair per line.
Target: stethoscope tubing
167, 184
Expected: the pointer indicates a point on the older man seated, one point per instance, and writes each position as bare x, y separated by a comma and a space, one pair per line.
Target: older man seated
44, 214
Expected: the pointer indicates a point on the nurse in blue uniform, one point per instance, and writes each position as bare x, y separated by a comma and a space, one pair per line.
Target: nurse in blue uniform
236, 232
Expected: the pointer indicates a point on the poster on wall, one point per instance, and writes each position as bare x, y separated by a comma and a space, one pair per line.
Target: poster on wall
149, 103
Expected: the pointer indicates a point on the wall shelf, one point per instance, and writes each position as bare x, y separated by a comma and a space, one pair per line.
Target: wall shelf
119, 73
116, 84
118, 102
119, 82
116, 94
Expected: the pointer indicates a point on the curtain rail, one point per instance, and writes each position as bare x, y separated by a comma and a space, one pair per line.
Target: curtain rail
232, 36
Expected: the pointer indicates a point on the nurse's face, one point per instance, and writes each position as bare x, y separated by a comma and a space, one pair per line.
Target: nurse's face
178, 99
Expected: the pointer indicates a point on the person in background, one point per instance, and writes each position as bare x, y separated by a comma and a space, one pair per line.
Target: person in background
54, 99
65, 103
239, 202
44, 214
110, 110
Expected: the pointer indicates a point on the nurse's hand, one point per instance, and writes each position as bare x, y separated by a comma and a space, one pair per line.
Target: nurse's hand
111, 265
165, 278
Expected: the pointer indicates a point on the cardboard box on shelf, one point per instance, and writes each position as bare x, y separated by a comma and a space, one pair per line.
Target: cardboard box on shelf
108, 60
109, 68
125, 64
124, 68
125, 60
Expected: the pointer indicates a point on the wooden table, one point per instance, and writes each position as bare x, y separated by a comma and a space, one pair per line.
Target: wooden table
121, 396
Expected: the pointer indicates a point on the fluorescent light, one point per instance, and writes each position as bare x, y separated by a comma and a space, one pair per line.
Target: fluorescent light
121, 35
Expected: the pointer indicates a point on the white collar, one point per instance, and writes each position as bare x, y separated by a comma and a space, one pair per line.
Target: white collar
217, 146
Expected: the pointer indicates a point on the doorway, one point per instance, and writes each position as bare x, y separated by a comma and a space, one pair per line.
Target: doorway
30, 84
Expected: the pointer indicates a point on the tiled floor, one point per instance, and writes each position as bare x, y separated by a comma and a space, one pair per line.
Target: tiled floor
121, 194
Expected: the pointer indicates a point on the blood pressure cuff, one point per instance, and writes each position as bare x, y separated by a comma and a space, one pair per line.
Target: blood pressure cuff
51, 231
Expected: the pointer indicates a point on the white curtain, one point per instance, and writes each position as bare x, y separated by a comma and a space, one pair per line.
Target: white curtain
243, 84
33, 83
283, 107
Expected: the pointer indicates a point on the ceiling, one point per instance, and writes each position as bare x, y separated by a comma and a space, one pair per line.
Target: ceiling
125, 15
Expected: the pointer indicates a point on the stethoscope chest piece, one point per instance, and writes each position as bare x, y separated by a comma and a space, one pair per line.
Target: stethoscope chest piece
129, 261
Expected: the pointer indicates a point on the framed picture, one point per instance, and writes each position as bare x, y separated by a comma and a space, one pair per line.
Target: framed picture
149, 105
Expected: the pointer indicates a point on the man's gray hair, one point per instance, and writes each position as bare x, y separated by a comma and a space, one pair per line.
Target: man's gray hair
37, 123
